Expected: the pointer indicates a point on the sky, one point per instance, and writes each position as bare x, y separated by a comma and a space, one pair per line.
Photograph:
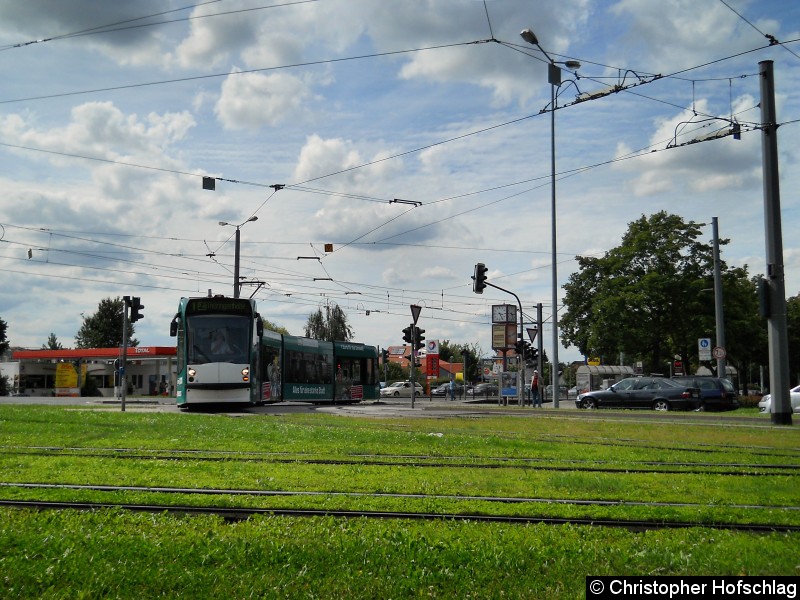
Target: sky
316, 116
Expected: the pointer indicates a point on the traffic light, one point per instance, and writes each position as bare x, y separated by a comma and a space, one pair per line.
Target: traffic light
384, 356
136, 309
479, 278
531, 356
418, 338
408, 335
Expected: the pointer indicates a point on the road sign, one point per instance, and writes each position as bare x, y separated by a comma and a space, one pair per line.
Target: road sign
704, 348
415, 310
719, 352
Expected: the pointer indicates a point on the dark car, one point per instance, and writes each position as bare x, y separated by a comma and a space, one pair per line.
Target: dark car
444, 390
716, 393
484, 389
657, 393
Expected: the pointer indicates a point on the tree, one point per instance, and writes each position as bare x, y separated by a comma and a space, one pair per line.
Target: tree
648, 298
3, 343
104, 328
456, 353
331, 326
270, 326
52, 343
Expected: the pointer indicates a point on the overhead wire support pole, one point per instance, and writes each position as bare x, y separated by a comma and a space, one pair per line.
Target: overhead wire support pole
775, 277
554, 79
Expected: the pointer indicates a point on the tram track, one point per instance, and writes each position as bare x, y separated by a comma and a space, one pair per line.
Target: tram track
413, 460
233, 514
379, 495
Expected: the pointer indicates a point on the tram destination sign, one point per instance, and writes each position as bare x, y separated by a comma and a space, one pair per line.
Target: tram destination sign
231, 306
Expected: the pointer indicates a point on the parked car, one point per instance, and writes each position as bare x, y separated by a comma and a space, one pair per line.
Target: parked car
401, 388
716, 393
658, 393
484, 389
563, 391
765, 404
444, 390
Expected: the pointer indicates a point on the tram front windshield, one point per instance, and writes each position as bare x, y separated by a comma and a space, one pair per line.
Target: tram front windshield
218, 338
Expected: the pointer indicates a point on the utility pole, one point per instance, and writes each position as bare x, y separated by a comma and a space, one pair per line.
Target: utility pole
720, 320
123, 378
774, 284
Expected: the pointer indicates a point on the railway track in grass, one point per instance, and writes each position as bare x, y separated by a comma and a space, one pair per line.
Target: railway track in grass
240, 513
410, 460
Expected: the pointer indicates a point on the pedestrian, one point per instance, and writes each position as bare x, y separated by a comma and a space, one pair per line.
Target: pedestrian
536, 399
452, 390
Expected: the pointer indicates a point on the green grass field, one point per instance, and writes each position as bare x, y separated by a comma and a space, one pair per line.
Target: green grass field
719, 471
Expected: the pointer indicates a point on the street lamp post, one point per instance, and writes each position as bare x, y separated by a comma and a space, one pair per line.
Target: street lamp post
554, 78
236, 283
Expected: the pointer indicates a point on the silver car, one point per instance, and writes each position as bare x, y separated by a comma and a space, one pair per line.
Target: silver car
765, 404
401, 388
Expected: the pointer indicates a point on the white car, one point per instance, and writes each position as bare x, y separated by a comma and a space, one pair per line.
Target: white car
765, 404
402, 388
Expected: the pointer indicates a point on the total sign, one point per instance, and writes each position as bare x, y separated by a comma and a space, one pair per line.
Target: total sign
432, 346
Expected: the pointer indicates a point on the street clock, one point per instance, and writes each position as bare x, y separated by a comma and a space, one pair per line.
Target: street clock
504, 313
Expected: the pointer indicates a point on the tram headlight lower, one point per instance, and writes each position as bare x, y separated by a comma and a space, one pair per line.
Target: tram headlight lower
246, 374
191, 374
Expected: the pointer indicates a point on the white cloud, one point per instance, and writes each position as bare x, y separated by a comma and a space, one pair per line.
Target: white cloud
252, 100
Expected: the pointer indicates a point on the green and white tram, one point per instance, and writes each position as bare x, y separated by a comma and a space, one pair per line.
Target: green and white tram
224, 355
216, 340
298, 369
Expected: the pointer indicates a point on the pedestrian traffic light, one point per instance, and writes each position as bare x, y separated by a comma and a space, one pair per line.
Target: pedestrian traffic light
408, 334
479, 278
136, 309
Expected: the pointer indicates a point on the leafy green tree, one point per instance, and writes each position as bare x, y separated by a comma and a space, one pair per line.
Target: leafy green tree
649, 297
395, 372
3, 342
330, 326
103, 329
793, 327
456, 353
270, 326
52, 343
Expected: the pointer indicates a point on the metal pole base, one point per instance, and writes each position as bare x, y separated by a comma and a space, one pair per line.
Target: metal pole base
782, 418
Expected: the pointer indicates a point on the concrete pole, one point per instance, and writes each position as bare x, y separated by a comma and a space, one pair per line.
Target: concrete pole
720, 320
554, 357
123, 375
775, 277
236, 266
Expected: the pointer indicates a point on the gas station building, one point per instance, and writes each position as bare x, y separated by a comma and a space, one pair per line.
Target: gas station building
150, 371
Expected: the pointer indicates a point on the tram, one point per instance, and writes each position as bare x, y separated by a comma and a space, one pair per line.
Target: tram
224, 355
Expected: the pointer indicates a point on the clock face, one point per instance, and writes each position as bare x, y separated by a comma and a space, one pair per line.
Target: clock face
499, 313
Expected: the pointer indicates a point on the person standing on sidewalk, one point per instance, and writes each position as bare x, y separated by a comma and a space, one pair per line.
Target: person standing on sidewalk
536, 399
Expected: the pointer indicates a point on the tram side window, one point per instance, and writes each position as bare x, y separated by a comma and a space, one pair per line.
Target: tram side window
307, 367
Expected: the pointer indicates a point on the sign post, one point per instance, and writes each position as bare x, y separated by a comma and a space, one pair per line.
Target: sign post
415, 310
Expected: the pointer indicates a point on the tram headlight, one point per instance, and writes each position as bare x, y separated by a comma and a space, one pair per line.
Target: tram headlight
191, 374
246, 374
